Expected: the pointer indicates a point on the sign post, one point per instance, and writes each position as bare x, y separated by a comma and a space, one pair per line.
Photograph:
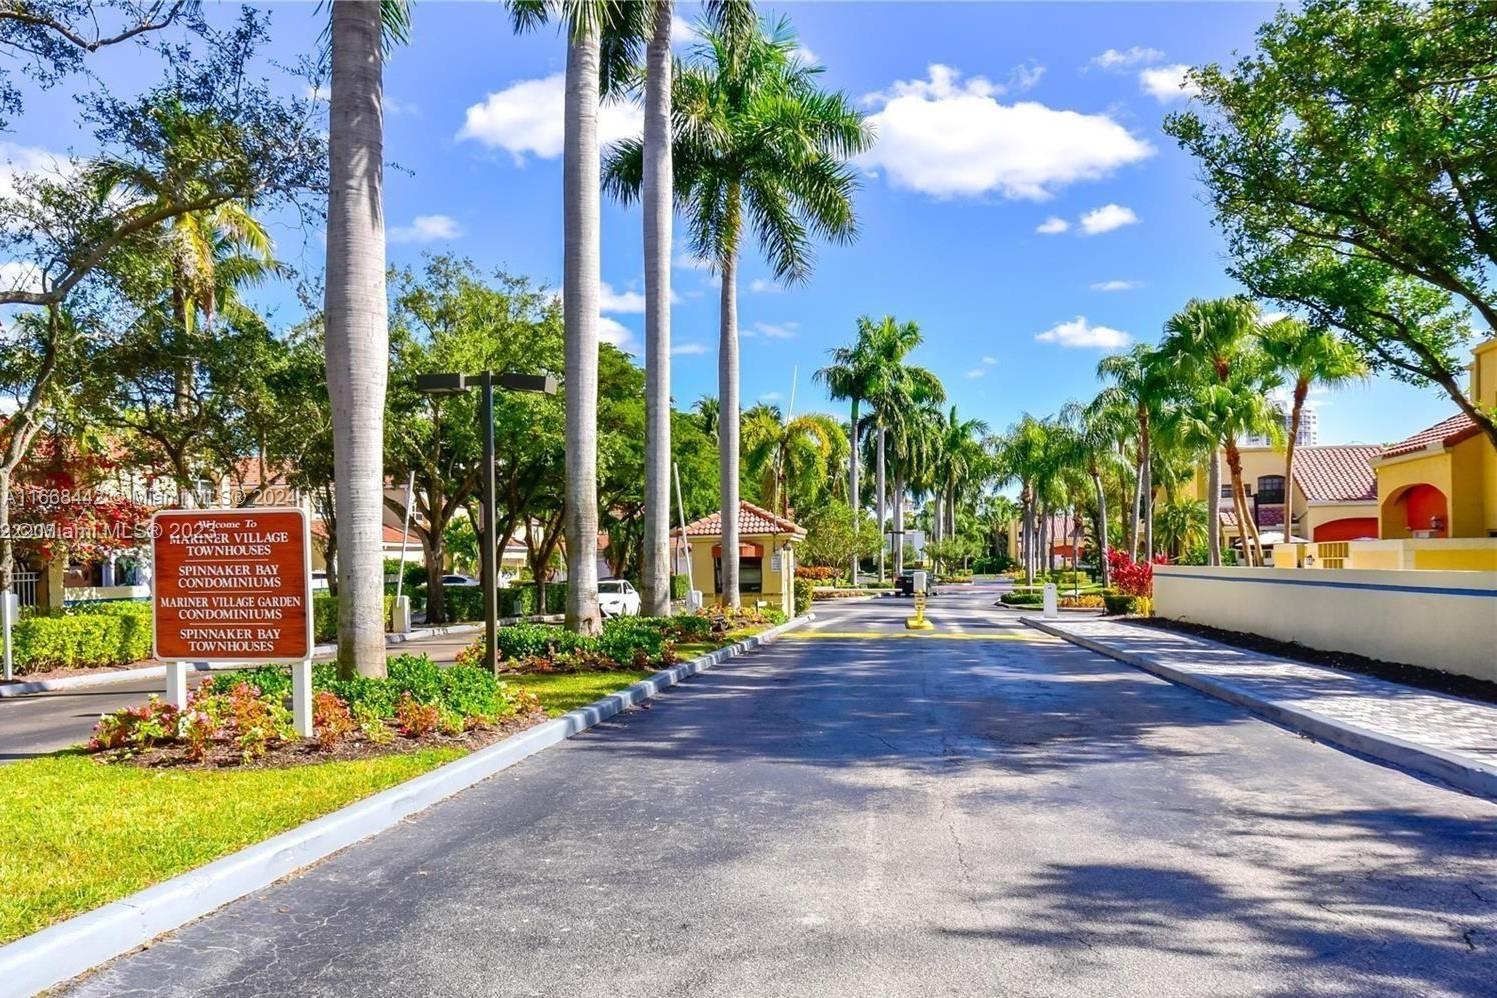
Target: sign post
233, 585
918, 590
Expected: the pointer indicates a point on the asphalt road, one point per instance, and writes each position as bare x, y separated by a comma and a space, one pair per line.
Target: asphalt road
858, 811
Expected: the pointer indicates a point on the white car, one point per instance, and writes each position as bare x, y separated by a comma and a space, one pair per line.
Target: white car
458, 580
617, 598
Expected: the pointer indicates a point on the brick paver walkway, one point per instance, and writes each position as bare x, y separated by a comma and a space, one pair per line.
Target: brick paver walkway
1466, 728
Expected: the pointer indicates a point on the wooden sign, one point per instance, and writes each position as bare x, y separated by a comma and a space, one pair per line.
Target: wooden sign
232, 585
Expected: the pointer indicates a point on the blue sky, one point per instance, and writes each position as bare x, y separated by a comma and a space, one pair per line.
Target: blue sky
996, 122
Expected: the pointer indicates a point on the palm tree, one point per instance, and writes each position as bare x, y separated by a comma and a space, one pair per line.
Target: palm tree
1099, 428
755, 140
356, 320
959, 460
657, 197
707, 411
896, 391
847, 379
1183, 525
794, 458
1307, 356
1205, 342
1022, 457
1139, 379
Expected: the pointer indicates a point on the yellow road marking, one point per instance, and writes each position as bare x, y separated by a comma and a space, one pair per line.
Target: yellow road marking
924, 635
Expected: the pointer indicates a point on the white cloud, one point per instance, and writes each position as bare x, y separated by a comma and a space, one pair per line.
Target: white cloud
1080, 333
1025, 76
526, 117
771, 330
805, 56
950, 137
1168, 83
769, 397
1107, 218
610, 300
977, 372
319, 93
393, 106
990, 361
682, 31
19, 275
760, 286
426, 229
615, 332
16, 160
1116, 59
688, 349
1116, 285
687, 261
1052, 226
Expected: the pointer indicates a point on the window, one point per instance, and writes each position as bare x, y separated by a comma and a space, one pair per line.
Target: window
1271, 489
750, 574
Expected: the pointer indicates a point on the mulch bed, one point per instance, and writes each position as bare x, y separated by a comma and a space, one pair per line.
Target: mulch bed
1409, 675
305, 752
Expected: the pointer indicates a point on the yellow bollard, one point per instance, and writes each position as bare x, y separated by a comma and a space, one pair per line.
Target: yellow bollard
918, 621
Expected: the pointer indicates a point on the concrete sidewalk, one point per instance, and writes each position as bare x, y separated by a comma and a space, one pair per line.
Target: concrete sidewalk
1449, 738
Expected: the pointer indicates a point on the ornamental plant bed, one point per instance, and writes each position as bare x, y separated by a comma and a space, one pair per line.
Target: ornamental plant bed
625, 643
241, 718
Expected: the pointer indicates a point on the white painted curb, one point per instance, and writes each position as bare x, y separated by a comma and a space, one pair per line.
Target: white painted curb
65, 950
1457, 771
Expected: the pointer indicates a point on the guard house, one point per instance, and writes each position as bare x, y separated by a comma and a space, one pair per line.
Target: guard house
766, 556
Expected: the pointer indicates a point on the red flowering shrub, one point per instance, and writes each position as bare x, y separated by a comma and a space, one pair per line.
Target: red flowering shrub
137, 727
416, 719
331, 720
1129, 577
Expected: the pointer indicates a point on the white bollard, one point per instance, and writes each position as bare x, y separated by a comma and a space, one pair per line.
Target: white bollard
1052, 606
301, 698
401, 622
176, 684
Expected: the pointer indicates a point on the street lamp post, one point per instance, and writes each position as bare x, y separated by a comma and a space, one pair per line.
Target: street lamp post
488, 555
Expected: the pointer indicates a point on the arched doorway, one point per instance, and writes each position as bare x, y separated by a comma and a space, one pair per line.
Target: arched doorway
1419, 510
1348, 528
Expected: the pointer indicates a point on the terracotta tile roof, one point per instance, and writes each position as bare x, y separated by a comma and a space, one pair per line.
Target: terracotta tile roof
1337, 474
752, 520
1268, 516
1447, 432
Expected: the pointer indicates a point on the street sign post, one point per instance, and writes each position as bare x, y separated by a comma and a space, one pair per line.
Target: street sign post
233, 585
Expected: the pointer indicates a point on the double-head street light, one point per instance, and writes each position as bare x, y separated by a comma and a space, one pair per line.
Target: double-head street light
486, 382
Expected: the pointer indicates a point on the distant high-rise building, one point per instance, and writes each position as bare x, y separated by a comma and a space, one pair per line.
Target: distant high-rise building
1309, 430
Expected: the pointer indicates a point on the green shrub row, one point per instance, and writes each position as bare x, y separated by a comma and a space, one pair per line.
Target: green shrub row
87, 636
626, 641
1122, 603
462, 689
462, 603
804, 588
325, 617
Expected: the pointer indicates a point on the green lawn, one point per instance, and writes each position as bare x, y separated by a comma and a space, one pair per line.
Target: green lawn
79, 834
560, 692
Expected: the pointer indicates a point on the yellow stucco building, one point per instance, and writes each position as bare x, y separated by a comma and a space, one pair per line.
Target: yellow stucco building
766, 556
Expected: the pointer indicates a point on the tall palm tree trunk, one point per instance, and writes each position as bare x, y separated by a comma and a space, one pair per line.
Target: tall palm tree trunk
878, 484
656, 197
1296, 413
1138, 502
1101, 526
357, 331
852, 490
1148, 490
1239, 498
898, 524
580, 193
727, 427
1213, 510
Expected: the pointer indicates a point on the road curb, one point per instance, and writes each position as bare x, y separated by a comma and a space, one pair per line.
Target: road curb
63, 951
1454, 770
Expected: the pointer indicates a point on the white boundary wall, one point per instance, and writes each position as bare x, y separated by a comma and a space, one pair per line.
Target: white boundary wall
1438, 620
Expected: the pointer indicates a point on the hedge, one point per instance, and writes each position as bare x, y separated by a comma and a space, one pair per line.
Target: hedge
680, 586
466, 602
1121, 603
84, 637
325, 617
804, 593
